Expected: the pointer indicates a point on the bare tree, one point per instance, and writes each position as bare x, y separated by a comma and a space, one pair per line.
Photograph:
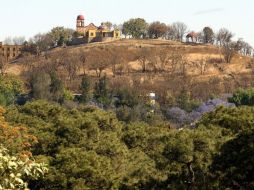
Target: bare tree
99, 60
8, 41
202, 65
178, 30
244, 48
83, 56
19, 40
229, 50
164, 57
177, 61
224, 36
143, 55
120, 60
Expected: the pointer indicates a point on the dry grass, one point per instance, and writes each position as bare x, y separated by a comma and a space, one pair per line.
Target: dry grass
216, 73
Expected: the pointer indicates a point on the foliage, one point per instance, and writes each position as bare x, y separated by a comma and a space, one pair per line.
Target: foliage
234, 119
243, 97
56, 88
135, 27
234, 166
16, 163
101, 91
68, 95
126, 97
13, 169
157, 29
185, 102
15, 138
47, 86
87, 148
10, 87
208, 35
60, 35
85, 90
64, 134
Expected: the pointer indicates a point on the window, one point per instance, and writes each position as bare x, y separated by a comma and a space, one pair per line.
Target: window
92, 34
116, 34
14, 55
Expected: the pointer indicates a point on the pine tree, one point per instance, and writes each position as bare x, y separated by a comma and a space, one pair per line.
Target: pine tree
101, 93
85, 89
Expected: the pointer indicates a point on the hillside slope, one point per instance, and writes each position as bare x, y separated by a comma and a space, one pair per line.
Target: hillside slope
203, 65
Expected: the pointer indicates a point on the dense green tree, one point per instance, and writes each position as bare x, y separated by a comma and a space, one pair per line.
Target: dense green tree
233, 120
40, 85
208, 35
87, 148
85, 88
243, 97
60, 35
185, 102
126, 97
56, 88
234, 166
101, 91
137, 28
10, 88
64, 134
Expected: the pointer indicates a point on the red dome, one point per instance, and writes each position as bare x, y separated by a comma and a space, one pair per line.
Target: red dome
80, 17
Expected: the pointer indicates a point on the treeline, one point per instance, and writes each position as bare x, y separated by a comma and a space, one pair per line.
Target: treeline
139, 28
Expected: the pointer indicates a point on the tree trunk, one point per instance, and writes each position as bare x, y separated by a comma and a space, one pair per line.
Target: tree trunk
191, 179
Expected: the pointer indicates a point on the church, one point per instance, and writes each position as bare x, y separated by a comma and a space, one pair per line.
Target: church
91, 33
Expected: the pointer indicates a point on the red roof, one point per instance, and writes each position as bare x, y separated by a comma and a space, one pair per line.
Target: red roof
80, 17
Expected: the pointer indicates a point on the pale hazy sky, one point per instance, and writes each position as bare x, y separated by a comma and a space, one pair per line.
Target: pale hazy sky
29, 17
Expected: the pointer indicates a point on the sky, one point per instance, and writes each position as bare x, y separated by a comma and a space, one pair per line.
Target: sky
29, 17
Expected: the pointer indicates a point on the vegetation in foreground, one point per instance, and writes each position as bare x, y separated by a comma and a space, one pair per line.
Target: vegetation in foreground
86, 147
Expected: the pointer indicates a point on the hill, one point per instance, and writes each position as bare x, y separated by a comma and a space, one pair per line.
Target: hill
156, 65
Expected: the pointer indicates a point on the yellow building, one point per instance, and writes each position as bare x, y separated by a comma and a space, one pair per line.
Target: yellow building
92, 33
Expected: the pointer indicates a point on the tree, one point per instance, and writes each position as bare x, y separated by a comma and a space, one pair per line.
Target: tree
60, 35
10, 88
143, 58
108, 24
42, 41
243, 97
137, 28
234, 165
17, 164
101, 92
85, 89
40, 86
8, 41
229, 49
19, 40
14, 169
224, 36
208, 35
157, 29
99, 59
179, 29
243, 47
56, 88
